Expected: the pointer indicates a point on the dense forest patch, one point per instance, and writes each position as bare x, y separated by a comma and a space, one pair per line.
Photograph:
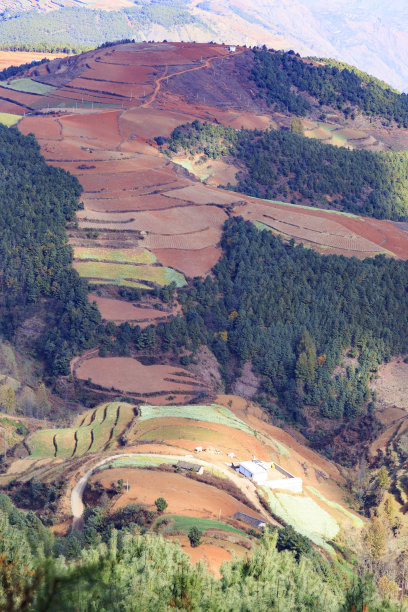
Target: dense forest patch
283, 165
277, 74
292, 313
37, 200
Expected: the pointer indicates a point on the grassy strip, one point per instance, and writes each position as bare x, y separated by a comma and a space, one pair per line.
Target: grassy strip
122, 274
28, 86
213, 413
184, 523
357, 521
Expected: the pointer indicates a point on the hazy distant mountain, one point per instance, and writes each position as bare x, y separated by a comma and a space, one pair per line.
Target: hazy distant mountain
372, 34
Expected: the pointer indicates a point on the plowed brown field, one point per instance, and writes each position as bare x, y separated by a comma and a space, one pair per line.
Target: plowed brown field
129, 375
184, 496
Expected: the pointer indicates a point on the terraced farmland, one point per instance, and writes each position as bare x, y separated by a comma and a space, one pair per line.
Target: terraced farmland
134, 256
128, 275
94, 433
28, 86
214, 413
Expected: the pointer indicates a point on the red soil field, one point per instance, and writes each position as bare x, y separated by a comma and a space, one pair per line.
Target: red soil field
210, 554
190, 242
126, 203
119, 310
27, 99
191, 263
184, 496
45, 128
9, 107
129, 375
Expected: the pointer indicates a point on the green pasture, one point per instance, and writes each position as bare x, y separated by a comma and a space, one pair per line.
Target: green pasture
123, 274
8, 119
213, 413
28, 86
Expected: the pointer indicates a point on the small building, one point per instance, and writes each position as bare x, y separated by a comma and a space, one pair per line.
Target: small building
250, 520
190, 467
232, 49
255, 470
198, 449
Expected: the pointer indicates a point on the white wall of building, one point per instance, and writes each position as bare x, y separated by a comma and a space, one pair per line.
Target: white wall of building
289, 484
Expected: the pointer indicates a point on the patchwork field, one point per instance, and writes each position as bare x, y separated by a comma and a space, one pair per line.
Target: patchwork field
108, 105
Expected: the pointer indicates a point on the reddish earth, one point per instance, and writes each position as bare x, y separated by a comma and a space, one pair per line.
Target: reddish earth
212, 555
112, 309
196, 263
185, 496
129, 375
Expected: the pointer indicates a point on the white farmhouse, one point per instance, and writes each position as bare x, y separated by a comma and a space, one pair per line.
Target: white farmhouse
271, 475
232, 49
255, 470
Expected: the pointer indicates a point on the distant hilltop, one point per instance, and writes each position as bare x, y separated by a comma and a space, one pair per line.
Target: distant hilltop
370, 37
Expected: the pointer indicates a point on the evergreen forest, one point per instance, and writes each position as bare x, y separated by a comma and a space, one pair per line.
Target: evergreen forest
144, 573
284, 165
282, 78
78, 27
294, 314
37, 201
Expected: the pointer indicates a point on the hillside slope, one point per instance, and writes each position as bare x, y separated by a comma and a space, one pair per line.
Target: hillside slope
365, 34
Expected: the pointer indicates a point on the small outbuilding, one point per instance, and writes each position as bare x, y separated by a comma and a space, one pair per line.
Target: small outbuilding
250, 520
190, 467
232, 49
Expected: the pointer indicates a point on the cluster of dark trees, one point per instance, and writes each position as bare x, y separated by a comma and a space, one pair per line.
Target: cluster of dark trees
284, 165
145, 573
37, 200
11, 71
293, 314
276, 74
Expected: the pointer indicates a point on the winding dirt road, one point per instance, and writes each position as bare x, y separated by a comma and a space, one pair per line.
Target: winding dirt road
246, 486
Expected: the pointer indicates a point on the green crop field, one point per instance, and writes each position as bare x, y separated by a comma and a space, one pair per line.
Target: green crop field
304, 514
134, 256
213, 413
357, 521
128, 275
9, 119
137, 462
28, 86
99, 430
184, 523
